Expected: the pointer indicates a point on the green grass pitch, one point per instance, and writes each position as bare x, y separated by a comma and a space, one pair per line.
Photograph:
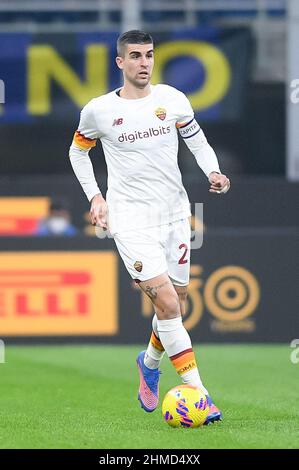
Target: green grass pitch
85, 397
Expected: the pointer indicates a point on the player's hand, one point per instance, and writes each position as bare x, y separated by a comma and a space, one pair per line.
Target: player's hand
220, 184
99, 211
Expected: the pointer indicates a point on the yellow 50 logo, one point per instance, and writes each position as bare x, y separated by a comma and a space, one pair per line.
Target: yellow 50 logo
231, 293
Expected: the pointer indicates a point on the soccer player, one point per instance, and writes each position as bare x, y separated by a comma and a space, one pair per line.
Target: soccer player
147, 209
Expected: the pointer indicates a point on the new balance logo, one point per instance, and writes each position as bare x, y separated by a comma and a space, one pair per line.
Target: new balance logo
118, 122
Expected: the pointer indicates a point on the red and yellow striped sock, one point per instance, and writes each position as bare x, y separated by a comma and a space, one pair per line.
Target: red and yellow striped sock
155, 342
184, 361
154, 352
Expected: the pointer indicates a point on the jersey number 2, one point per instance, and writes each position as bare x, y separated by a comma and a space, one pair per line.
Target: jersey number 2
182, 259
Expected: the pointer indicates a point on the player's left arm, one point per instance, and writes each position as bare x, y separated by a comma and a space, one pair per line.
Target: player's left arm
204, 154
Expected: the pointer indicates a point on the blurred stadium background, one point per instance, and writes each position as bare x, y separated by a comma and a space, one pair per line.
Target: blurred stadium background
238, 63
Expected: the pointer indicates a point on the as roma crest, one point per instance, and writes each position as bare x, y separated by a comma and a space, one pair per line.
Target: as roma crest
160, 113
138, 266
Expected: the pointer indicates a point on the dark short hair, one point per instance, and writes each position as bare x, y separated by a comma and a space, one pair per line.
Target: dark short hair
132, 37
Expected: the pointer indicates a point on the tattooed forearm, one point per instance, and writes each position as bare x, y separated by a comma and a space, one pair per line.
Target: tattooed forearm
152, 291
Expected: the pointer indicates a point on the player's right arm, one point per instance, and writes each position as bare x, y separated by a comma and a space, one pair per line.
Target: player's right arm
84, 139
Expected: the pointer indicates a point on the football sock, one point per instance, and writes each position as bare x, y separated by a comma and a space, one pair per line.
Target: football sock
177, 344
155, 350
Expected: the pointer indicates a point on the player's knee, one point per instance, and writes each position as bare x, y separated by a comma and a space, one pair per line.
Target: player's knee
169, 307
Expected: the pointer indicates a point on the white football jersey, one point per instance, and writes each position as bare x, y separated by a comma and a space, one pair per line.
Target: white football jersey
140, 143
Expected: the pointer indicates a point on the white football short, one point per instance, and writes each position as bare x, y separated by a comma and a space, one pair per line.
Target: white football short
152, 251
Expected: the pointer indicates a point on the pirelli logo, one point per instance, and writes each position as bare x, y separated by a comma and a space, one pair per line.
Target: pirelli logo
64, 293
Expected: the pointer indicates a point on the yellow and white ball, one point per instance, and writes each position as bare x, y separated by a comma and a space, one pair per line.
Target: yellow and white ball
185, 406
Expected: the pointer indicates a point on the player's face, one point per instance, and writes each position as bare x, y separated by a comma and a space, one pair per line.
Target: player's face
137, 64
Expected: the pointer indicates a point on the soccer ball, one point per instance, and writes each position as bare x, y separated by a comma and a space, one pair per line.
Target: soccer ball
185, 406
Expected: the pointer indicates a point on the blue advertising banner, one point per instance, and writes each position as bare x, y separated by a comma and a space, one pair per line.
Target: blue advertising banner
50, 77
